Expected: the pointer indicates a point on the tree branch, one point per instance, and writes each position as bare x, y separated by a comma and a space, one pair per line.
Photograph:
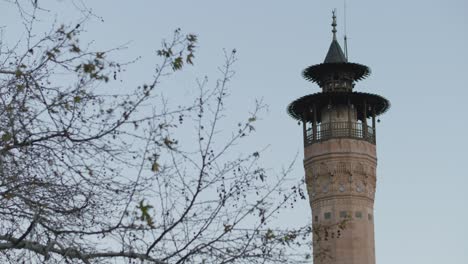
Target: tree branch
69, 252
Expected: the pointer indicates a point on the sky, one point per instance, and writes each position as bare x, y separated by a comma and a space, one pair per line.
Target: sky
419, 60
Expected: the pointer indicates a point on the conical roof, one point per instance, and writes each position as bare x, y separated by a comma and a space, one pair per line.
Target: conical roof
335, 53
335, 62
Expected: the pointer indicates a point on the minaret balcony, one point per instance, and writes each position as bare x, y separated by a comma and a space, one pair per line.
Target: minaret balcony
346, 129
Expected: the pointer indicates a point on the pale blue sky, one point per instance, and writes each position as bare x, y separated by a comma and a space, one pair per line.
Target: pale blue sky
417, 51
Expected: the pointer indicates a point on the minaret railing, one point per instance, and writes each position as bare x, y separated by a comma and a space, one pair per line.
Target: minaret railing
345, 129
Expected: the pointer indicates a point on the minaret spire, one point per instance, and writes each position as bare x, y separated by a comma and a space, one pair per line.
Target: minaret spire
334, 24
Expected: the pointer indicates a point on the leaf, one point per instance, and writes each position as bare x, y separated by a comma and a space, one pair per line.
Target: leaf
18, 73
269, 234
227, 228
177, 63
192, 38
189, 58
155, 167
77, 99
50, 55
169, 143
8, 196
20, 87
75, 48
6, 137
145, 216
88, 68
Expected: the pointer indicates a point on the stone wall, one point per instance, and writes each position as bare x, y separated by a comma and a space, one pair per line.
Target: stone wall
341, 181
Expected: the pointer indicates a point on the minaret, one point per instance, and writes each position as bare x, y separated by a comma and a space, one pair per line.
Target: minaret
340, 158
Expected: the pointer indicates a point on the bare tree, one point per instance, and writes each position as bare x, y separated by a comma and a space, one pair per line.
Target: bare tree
93, 175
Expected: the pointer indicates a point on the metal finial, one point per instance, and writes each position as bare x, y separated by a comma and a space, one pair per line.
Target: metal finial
334, 24
345, 33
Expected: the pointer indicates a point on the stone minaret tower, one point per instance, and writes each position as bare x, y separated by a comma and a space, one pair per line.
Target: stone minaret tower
340, 158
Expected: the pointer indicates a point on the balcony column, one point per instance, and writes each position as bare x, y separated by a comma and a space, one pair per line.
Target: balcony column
330, 131
304, 127
314, 123
373, 124
349, 118
364, 120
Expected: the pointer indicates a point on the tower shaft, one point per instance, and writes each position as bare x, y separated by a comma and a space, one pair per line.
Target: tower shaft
341, 180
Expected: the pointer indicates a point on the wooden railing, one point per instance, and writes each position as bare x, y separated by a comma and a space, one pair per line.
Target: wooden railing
331, 130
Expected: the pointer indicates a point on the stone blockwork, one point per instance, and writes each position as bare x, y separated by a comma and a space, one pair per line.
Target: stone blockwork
341, 180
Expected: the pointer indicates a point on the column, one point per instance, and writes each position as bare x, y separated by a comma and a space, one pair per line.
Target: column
314, 124
373, 124
364, 120
304, 127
